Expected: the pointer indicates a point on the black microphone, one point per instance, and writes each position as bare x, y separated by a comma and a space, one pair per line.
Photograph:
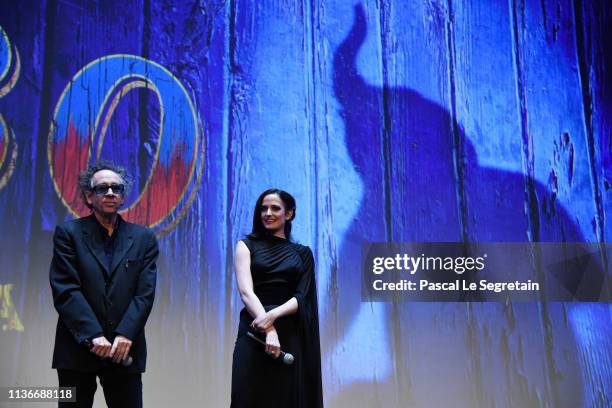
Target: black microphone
126, 362
287, 357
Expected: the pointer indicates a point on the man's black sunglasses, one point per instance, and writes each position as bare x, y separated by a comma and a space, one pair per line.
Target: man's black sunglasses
102, 189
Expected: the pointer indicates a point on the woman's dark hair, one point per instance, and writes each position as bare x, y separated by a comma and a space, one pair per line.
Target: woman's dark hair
86, 176
259, 231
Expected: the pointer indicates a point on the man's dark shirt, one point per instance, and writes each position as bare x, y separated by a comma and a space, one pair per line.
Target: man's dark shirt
110, 242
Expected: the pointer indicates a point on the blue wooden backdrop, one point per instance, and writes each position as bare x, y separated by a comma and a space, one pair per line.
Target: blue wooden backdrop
432, 120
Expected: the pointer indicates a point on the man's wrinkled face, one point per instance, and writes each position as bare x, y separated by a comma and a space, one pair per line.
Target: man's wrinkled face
107, 192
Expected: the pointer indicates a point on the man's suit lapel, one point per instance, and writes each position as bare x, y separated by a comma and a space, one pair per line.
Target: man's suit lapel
95, 245
124, 243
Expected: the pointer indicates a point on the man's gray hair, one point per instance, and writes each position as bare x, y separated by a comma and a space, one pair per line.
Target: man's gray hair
85, 178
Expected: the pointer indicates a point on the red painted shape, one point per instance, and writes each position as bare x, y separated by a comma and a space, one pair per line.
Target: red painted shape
69, 158
164, 192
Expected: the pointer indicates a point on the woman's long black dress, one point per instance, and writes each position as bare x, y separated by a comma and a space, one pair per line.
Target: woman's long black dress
281, 270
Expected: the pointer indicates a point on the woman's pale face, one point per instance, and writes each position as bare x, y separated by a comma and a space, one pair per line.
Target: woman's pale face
273, 214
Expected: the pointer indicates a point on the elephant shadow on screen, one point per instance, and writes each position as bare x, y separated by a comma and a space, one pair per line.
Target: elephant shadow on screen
413, 135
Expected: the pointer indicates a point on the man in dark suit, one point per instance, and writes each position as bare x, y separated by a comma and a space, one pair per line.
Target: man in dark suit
103, 276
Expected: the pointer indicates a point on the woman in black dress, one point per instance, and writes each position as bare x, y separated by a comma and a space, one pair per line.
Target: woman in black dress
276, 280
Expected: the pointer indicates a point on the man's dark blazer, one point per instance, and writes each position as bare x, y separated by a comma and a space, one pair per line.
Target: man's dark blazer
92, 300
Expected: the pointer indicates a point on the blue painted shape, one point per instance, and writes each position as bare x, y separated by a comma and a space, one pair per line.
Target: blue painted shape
5, 54
86, 98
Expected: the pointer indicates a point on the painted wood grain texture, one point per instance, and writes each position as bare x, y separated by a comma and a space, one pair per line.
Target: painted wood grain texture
435, 120
15, 260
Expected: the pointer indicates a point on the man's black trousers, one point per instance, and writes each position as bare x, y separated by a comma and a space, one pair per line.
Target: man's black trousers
121, 390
